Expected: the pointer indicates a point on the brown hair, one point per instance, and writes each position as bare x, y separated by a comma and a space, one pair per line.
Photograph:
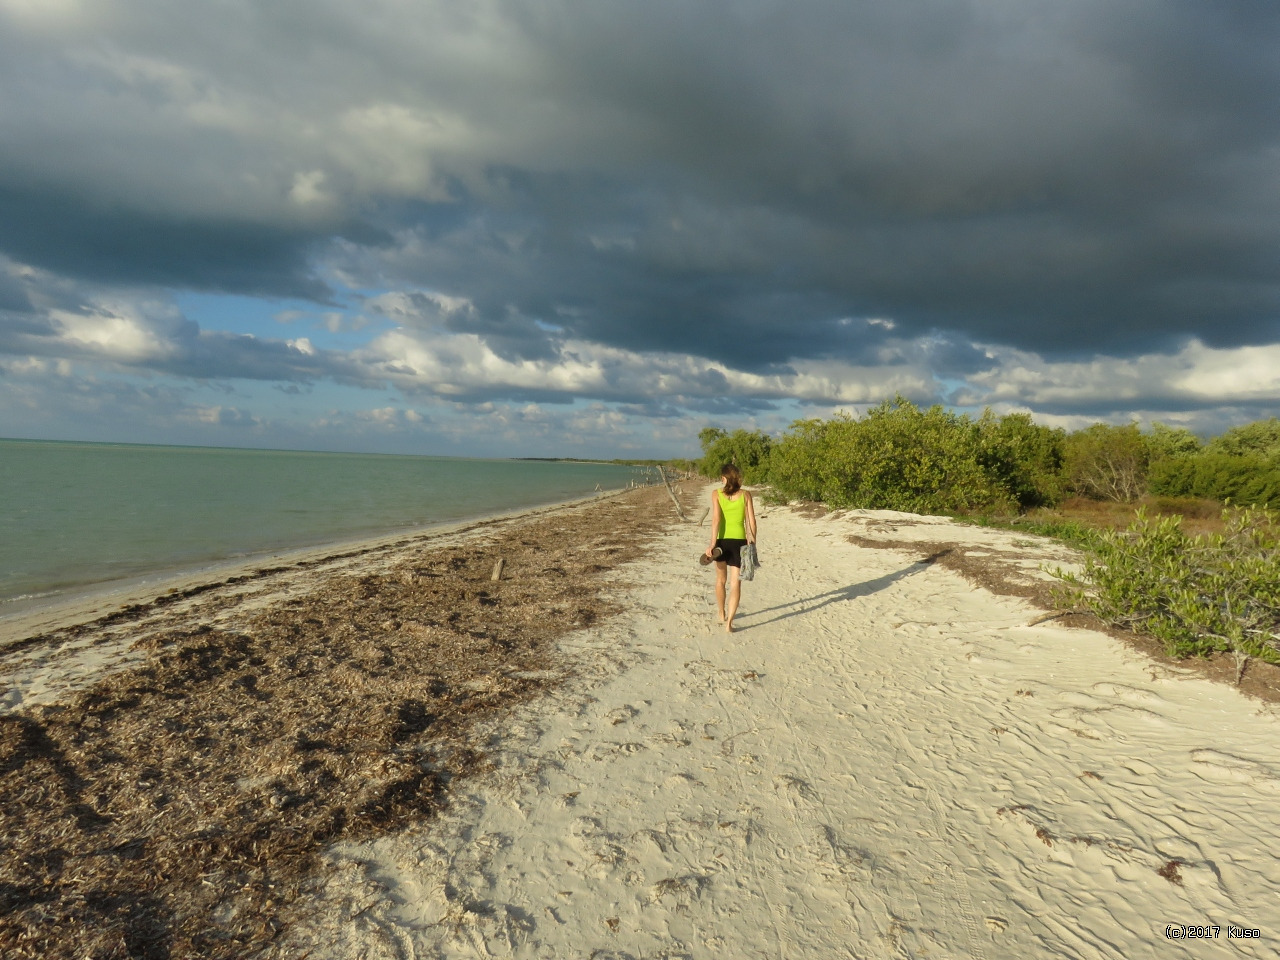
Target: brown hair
732, 479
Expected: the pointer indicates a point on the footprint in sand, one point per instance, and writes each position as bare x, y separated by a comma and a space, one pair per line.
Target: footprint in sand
740, 832
831, 854
585, 827
795, 786
609, 750
621, 714
668, 740
681, 890
605, 848
660, 840
482, 923
491, 843
681, 781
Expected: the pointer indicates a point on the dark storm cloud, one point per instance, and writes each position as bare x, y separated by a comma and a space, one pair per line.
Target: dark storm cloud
12, 297
215, 355
60, 232
20, 330
730, 180
1065, 180
1156, 402
543, 259
727, 409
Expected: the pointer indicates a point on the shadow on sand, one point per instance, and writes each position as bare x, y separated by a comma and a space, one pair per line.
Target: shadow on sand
795, 608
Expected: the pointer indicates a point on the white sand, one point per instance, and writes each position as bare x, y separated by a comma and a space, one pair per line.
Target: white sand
884, 762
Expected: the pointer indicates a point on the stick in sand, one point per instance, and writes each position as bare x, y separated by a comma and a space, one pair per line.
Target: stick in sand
663, 474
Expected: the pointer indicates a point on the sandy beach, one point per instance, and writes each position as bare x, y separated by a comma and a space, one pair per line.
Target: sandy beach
885, 760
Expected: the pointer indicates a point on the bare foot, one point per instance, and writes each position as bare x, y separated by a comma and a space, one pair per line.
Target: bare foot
728, 628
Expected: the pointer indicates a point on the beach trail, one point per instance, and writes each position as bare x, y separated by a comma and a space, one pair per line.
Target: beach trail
884, 761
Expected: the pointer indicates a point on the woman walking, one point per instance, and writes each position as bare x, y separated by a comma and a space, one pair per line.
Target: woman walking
733, 526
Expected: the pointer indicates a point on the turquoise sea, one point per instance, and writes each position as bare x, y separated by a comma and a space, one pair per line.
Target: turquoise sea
76, 516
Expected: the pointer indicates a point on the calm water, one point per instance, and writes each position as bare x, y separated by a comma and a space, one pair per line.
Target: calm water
76, 515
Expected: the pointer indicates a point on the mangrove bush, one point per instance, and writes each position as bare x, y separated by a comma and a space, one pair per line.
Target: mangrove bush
1198, 595
899, 457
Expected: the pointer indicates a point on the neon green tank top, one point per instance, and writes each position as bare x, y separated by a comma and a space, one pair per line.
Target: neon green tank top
733, 517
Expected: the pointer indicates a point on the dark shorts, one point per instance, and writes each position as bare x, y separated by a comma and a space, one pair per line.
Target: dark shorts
732, 554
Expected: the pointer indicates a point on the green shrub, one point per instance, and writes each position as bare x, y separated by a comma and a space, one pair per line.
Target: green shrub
919, 461
1196, 594
897, 457
748, 450
1258, 439
1023, 457
936, 461
1069, 531
1241, 480
1106, 462
1169, 443
800, 465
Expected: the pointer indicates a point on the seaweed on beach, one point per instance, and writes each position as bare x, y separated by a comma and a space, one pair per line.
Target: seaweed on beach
181, 808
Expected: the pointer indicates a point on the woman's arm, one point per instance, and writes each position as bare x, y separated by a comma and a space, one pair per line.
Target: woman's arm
751, 518
715, 521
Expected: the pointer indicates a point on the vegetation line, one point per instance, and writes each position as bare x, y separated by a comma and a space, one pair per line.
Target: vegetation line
1198, 592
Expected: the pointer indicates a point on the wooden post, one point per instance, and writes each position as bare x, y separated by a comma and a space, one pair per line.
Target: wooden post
663, 474
497, 570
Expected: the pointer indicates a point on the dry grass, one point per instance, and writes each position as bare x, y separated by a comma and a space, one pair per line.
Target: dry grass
1198, 516
179, 809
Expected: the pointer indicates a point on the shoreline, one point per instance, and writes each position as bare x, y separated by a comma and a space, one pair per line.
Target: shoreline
167, 514
23, 618
58, 649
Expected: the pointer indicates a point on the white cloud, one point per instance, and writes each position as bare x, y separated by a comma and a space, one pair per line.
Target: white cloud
44, 14
1196, 375
420, 307
461, 364
118, 332
221, 416
309, 191
1239, 375
337, 322
389, 147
